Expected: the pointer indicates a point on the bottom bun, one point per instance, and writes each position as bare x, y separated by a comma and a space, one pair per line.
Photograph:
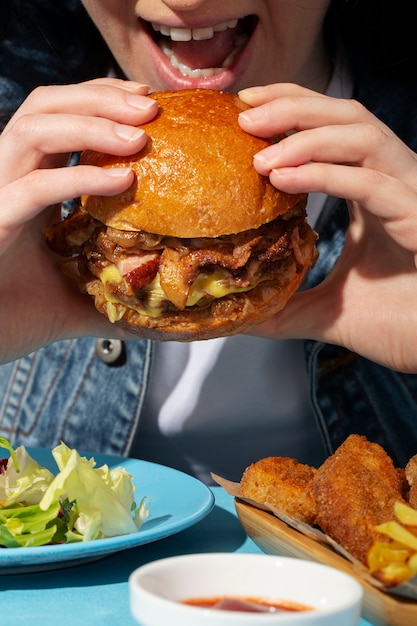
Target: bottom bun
226, 316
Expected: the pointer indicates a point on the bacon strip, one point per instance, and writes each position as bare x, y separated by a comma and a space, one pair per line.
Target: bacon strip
139, 270
241, 255
245, 257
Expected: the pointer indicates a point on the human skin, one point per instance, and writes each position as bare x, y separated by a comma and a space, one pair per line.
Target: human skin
286, 45
37, 305
367, 304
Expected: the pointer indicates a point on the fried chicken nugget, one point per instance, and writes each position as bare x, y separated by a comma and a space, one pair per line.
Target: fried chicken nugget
411, 475
355, 489
284, 483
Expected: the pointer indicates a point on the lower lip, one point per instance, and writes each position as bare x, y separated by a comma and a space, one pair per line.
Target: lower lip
173, 79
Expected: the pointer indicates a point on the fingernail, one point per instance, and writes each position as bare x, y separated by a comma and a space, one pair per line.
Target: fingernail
129, 133
250, 90
140, 102
269, 156
133, 86
260, 159
117, 172
253, 115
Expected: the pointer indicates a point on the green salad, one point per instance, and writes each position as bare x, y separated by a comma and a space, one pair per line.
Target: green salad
81, 502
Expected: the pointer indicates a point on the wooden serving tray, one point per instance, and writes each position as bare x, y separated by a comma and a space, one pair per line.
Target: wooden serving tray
275, 537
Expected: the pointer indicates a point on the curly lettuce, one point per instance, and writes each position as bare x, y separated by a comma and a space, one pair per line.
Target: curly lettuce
81, 502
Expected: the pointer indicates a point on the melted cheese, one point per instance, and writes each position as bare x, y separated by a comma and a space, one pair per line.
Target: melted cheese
115, 309
111, 276
213, 284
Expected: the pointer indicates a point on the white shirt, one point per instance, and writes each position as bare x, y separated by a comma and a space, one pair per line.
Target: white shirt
218, 405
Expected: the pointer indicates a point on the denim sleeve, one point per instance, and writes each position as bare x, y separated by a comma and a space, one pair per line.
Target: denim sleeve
66, 392
44, 42
349, 393
353, 395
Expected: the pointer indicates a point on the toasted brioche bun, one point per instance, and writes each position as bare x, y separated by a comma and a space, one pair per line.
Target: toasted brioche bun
195, 177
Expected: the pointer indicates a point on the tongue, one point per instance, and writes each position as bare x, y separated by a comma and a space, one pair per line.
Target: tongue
207, 53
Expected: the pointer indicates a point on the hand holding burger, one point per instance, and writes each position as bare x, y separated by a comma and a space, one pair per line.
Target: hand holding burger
200, 245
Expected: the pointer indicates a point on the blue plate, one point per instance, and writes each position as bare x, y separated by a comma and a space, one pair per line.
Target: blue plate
177, 501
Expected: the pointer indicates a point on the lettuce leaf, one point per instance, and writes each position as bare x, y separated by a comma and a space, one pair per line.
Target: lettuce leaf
82, 502
102, 498
24, 481
24, 526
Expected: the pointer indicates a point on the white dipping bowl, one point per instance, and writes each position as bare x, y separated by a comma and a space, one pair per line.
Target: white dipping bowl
157, 589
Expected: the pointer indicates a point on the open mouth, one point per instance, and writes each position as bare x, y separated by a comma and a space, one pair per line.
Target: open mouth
203, 52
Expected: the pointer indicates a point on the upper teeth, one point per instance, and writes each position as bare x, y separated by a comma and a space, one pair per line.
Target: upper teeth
198, 34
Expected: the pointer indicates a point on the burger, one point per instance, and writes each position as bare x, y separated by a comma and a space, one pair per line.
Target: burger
201, 245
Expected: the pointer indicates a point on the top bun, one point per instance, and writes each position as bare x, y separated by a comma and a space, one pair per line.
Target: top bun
195, 176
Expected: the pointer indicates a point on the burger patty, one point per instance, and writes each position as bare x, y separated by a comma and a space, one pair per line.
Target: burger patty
154, 273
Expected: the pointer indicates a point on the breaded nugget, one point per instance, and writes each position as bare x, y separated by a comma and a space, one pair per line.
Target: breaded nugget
411, 475
405, 486
283, 483
355, 489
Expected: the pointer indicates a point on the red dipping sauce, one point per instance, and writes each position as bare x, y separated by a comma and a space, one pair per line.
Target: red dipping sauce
247, 605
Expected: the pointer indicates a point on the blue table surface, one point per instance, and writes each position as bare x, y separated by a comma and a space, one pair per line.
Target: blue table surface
96, 593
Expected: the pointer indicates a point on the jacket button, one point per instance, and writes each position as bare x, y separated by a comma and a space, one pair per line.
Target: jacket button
110, 351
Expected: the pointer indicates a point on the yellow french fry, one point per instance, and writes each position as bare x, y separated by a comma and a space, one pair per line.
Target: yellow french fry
405, 514
375, 557
397, 573
396, 555
381, 554
398, 533
412, 563
396, 561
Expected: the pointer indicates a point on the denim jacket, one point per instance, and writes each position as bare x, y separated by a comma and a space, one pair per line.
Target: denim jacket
65, 391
